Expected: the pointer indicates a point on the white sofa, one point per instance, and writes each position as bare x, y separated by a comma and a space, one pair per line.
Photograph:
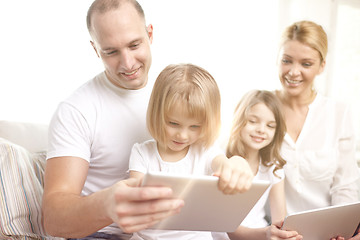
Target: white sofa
22, 161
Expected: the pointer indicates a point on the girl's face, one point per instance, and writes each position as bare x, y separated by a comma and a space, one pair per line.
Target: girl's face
181, 130
299, 65
260, 128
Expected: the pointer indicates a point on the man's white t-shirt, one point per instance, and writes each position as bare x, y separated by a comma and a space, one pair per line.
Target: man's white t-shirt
100, 123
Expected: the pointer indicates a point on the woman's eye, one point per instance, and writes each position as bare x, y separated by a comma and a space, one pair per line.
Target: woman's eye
307, 64
285, 61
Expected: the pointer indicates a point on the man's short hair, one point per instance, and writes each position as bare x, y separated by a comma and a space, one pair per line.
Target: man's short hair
103, 6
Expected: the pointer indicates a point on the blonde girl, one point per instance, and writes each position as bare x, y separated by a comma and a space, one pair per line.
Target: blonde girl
257, 133
184, 119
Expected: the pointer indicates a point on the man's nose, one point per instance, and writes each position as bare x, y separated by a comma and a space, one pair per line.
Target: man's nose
127, 61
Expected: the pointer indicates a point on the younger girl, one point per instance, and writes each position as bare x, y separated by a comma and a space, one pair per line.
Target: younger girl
256, 135
184, 119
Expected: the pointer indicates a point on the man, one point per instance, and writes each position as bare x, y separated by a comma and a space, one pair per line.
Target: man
92, 132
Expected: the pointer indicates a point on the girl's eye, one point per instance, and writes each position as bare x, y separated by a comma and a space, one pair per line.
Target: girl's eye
285, 61
252, 121
272, 126
173, 123
195, 126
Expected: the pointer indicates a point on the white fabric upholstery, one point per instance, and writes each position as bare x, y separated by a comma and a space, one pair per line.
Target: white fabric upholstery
31, 136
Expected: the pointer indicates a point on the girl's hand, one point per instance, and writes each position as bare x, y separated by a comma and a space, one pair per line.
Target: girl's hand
235, 175
274, 231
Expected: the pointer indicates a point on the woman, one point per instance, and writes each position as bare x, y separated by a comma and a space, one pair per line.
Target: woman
319, 145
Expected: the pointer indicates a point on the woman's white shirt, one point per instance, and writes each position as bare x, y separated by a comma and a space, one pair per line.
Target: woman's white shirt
321, 168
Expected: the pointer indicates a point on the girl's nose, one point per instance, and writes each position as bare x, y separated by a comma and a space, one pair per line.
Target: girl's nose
182, 134
261, 128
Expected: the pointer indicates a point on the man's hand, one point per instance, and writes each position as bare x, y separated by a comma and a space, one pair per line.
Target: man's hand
135, 208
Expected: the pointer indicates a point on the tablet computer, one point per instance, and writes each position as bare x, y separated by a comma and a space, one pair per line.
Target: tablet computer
325, 223
206, 207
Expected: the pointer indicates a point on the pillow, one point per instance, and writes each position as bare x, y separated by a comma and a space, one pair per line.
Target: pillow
21, 188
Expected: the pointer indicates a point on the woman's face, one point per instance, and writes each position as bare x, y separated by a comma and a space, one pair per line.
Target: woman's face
299, 65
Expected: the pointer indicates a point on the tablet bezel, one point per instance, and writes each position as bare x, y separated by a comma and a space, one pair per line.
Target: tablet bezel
206, 207
325, 223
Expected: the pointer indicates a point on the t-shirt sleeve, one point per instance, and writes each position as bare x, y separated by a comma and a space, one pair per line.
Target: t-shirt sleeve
69, 134
209, 155
280, 175
137, 161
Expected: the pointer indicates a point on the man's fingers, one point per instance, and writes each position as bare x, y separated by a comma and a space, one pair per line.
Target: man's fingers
134, 223
132, 191
148, 207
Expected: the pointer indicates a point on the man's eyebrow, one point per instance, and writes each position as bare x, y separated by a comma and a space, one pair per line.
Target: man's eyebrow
108, 49
113, 48
136, 40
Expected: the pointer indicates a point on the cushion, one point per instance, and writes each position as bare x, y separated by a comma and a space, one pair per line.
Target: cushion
31, 136
21, 188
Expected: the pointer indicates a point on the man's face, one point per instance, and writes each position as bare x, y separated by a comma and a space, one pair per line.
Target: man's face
122, 41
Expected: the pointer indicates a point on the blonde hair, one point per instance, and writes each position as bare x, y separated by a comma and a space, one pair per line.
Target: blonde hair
308, 33
270, 154
192, 87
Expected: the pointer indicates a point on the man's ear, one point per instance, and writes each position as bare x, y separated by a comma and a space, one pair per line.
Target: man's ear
93, 45
149, 30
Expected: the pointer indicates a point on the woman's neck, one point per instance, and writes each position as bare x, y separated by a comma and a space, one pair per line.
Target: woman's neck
298, 101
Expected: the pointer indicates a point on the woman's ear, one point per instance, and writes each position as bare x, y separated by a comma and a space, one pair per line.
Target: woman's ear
322, 66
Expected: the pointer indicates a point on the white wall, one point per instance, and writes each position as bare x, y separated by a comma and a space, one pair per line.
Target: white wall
46, 54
